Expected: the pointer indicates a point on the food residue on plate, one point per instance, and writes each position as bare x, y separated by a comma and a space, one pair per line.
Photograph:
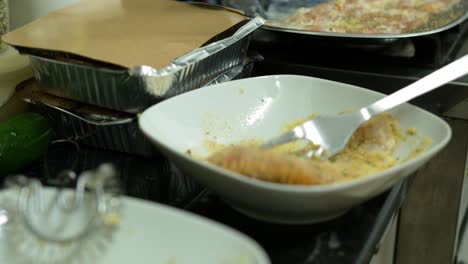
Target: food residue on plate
211, 146
370, 151
292, 125
423, 144
411, 131
238, 260
112, 219
214, 122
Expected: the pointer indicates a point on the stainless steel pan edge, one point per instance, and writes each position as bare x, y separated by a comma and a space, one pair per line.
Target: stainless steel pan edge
459, 11
136, 89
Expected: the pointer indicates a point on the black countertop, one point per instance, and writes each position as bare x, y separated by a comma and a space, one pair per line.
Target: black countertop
352, 238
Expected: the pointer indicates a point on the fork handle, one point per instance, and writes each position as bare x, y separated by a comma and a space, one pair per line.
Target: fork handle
430, 82
283, 138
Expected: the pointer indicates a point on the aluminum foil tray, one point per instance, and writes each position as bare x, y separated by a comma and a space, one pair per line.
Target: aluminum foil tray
133, 90
100, 127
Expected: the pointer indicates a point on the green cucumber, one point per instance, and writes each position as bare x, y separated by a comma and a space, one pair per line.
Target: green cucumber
23, 139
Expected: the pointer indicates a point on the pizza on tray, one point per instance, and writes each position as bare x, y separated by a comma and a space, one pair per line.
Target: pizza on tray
366, 16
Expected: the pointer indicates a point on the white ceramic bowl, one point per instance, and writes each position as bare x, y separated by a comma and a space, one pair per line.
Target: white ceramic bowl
259, 108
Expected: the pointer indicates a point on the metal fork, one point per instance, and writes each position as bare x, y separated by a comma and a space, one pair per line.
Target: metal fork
331, 133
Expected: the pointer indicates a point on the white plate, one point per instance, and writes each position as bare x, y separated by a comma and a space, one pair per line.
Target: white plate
259, 108
154, 233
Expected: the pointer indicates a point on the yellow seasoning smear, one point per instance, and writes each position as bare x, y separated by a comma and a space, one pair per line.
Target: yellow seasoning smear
370, 151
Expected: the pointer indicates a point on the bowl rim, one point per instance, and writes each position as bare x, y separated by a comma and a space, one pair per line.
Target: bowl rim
336, 186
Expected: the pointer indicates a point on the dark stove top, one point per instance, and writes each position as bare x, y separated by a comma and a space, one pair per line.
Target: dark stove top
352, 238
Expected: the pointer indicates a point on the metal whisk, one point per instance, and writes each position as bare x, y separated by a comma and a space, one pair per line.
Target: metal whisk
63, 225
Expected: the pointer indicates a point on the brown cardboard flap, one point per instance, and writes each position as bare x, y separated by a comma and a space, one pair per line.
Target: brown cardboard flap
126, 32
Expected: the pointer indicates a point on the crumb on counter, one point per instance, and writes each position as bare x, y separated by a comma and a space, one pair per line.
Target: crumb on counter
241, 90
188, 151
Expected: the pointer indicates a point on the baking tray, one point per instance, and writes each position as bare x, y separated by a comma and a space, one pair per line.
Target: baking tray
88, 124
135, 89
100, 127
277, 9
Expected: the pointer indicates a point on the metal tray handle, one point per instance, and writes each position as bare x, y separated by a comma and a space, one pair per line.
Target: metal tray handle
92, 119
